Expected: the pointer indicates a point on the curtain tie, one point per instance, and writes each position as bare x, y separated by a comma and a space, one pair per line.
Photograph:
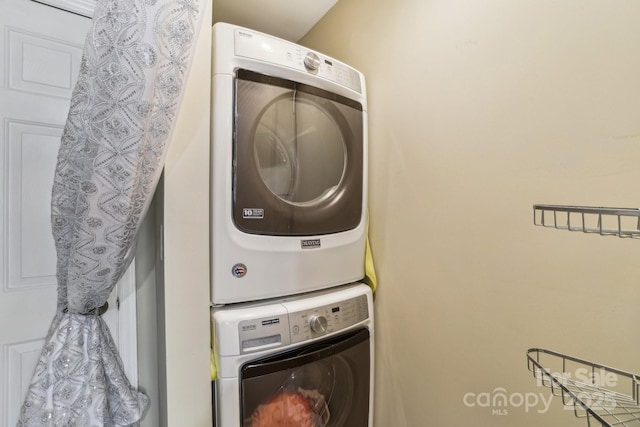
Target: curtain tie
95, 312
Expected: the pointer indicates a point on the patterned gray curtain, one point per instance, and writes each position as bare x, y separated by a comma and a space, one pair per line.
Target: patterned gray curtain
123, 108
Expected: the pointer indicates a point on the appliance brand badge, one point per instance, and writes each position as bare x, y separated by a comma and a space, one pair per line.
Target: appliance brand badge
239, 270
270, 322
252, 213
310, 243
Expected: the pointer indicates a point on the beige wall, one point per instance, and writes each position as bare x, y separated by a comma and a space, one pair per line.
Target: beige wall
478, 109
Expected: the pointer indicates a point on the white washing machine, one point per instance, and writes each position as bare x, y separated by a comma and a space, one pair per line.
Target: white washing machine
289, 169
304, 361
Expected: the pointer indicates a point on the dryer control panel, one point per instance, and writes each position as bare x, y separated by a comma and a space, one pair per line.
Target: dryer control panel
262, 47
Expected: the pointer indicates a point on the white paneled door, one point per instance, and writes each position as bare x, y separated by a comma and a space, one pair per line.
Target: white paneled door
41, 48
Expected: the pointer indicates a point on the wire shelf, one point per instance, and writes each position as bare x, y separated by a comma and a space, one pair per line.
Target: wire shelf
621, 222
602, 395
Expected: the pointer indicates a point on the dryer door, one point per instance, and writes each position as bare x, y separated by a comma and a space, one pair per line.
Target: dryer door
298, 156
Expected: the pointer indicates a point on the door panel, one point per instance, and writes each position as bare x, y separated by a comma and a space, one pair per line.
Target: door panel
21, 359
40, 65
31, 160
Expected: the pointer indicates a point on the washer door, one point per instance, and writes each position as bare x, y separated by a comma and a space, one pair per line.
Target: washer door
298, 157
326, 384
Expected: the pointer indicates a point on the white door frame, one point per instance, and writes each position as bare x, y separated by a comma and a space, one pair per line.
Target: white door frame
127, 324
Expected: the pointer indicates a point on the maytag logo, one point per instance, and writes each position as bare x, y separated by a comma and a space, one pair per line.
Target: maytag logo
310, 243
270, 322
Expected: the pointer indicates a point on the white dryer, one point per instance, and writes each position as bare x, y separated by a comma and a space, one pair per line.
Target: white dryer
306, 360
289, 168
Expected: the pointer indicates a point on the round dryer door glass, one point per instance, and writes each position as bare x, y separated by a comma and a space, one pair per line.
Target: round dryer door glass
299, 150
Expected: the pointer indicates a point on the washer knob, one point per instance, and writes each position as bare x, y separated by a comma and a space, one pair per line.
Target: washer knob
311, 61
318, 324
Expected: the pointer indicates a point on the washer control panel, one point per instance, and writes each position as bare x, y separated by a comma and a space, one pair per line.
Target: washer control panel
253, 328
263, 333
270, 49
315, 322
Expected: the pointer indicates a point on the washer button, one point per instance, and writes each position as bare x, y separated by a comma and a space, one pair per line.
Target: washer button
311, 61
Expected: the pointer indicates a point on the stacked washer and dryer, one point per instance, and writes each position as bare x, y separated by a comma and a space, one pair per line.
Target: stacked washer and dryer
292, 327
